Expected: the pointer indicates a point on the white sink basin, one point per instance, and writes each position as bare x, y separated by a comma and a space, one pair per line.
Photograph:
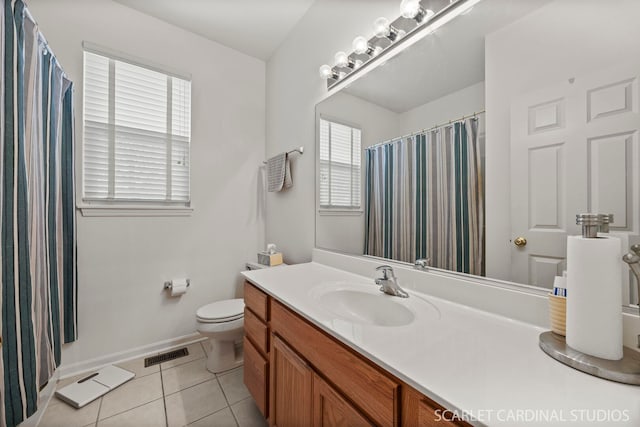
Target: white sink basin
366, 307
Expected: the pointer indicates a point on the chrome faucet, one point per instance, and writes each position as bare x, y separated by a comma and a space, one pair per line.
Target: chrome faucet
389, 283
422, 264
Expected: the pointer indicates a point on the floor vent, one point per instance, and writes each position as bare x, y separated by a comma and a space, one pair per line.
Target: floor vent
164, 357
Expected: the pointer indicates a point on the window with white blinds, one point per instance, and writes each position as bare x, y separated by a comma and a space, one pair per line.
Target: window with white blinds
339, 165
137, 131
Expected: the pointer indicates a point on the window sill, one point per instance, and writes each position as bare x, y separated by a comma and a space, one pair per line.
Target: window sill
133, 211
340, 212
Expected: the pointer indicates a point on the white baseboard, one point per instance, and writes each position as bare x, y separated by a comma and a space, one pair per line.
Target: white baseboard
66, 371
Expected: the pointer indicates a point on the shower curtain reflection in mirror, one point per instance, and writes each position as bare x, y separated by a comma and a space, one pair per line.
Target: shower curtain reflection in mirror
424, 198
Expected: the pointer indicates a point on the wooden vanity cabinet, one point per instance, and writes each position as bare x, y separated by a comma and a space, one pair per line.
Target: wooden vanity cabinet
256, 346
301, 376
372, 391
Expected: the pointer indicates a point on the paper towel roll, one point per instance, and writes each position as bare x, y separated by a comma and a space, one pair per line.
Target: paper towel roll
594, 298
179, 287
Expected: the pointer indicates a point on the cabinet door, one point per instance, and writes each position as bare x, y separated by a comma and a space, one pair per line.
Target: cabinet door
291, 383
330, 409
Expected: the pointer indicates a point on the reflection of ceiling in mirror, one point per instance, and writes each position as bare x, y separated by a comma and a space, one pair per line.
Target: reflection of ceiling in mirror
427, 70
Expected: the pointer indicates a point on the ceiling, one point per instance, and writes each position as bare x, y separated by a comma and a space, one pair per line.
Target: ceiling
254, 27
443, 62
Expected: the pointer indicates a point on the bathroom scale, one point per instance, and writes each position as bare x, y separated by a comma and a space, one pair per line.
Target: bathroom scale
91, 387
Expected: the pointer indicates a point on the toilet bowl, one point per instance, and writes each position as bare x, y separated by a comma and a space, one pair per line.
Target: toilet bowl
222, 322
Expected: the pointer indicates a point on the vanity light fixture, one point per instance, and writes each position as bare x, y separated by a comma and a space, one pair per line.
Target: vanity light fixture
342, 60
361, 46
326, 72
383, 28
414, 16
411, 9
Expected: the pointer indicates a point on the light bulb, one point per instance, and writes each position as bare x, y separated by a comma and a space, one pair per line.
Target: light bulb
410, 8
381, 27
325, 71
341, 59
360, 45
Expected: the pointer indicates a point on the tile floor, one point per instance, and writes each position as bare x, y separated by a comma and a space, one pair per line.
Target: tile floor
176, 393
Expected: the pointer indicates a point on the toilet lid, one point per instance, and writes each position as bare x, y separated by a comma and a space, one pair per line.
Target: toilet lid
221, 311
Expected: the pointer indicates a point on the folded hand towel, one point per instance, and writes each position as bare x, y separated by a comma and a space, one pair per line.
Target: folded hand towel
288, 182
276, 167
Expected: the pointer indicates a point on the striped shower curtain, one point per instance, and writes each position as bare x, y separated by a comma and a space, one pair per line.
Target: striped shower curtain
37, 208
425, 199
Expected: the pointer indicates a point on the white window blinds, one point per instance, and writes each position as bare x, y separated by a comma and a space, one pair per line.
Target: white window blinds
137, 131
339, 165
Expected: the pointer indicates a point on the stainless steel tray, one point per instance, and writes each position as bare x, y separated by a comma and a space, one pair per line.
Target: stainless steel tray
625, 370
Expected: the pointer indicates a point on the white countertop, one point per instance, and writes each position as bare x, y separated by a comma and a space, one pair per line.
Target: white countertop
467, 360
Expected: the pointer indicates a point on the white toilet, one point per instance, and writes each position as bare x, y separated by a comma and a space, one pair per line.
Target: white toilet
222, 322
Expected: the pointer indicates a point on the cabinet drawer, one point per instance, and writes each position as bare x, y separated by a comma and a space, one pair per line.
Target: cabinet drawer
257, 331
256, 374
373, 392
257, 301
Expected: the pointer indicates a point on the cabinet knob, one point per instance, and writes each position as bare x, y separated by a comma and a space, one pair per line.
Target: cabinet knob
520, 241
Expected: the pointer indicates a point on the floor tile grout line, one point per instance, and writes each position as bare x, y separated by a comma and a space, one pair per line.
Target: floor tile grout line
229, 371
130, 409
227, 400
98, 415
191, 386
213, 413
164, 398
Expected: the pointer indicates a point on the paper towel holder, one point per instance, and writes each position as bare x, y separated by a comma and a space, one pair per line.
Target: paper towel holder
591, 224
169, 285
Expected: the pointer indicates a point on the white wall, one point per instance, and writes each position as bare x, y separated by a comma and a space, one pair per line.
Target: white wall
346, 232
463, 102
123, 262
554, 43
293, 89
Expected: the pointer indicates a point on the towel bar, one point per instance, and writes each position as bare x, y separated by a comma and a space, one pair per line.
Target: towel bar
296, 150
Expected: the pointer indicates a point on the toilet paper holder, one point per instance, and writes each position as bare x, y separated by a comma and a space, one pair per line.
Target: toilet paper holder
169, 284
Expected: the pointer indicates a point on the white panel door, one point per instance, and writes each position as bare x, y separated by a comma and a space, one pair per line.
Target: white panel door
574, 148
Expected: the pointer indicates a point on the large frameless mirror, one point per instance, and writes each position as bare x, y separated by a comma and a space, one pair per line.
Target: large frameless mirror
476, 146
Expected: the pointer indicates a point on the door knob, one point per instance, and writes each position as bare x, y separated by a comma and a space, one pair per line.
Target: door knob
520, 241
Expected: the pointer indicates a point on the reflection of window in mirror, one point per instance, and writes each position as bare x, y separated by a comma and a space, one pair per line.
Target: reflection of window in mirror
339, 165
